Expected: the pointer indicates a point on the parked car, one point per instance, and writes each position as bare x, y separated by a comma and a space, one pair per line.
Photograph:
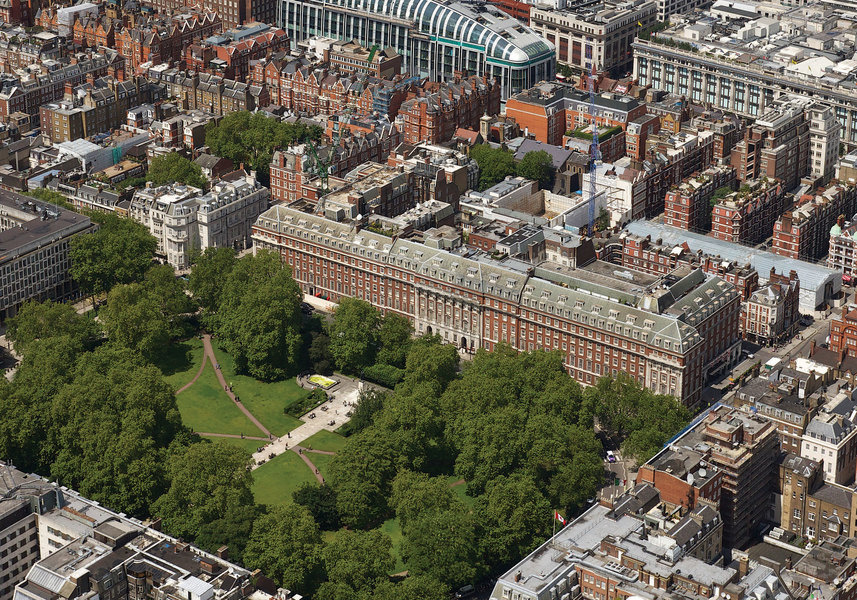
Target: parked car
468, 591
610, 456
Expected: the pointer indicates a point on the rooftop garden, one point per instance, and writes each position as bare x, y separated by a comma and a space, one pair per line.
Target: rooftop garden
604, 134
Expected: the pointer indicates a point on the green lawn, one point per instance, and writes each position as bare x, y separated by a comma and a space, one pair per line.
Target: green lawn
266, 401
180, 361
276, 480
321, 461
391, 527
249, 445
206, 408
325, 440
461, 491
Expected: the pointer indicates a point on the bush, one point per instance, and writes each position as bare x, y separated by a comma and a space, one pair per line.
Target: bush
386, 375
312, 400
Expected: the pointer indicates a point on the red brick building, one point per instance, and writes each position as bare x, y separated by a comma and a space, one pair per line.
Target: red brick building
843, 331
232, 12
682, 478
804, 232
549, 110
747, 216
475, 306
771, 314
433, 112
688, 205
230, 54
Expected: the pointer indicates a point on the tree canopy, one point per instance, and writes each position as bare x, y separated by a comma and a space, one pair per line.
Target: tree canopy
259, 318
495, 164
538, 166
39, 320
173, 167
121, 251
251, 138
208, 275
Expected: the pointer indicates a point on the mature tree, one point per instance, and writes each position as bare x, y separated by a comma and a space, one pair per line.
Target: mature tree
538, 166
319, 352
354, 335
174, 167
145, 316
232, 530
120, 251
208, 275
362, 474
442, 545
431, 362
635, 416
40, 320
112, 424
286, 545
209, 481
251, 138
416, 494
259, 317
369, 403
495, 164
358, 560
394, 340
514, 518
414, 423
414, 587
320, 500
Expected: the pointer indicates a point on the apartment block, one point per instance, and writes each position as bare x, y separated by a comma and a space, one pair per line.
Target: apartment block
232, 13
824, 139
350, 57
438, 110
229, 54
549, 110
683, 478
211, 93
371, 189
843, 331
804, 232
841, 251
594, 34
477, 302
35, 263
688, 205
747, 216
771, 314
831, 439
182, 218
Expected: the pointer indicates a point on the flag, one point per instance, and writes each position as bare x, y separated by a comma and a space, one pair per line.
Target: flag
558, 517
639, 23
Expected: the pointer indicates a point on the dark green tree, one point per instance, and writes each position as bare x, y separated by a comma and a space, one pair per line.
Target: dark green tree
442, 545
208, 276
259, 319
394, 340
208, 482
358, 560
232, 530
174, 167
41, 320
495, 164
369, 403
416, 494
121, 251
320, 500
538, 166
286, 546
414, 587
354, 335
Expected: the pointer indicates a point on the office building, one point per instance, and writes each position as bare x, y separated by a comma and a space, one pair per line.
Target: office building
35, 237
182, 218
831, 439
599, 34
438, 40
670, 341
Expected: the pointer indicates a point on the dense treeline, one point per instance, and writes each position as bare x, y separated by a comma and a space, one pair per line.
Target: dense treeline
88, 408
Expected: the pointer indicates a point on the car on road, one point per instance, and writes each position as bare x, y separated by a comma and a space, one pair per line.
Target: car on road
610, 456
468, 591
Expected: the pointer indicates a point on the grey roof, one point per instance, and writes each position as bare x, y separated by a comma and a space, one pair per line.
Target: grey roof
811, 276
559, 156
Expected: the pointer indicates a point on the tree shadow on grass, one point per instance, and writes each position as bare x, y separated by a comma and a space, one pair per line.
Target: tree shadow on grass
176, 358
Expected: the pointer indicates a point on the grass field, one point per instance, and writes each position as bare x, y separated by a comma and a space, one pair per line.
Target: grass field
265, 400
249, 445
321, 461
461, 491
325, 440
392, 528
275, 481
180, 361
205, 407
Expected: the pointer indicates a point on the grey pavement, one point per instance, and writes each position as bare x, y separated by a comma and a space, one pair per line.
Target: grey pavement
347, 391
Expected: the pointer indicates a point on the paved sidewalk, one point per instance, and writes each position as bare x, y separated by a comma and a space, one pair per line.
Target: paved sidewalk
348, 390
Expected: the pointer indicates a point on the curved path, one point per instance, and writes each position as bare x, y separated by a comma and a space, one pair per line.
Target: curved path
308, 462
195, 377
209, 353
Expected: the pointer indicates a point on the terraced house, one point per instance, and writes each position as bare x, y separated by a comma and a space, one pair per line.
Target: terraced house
665, 332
